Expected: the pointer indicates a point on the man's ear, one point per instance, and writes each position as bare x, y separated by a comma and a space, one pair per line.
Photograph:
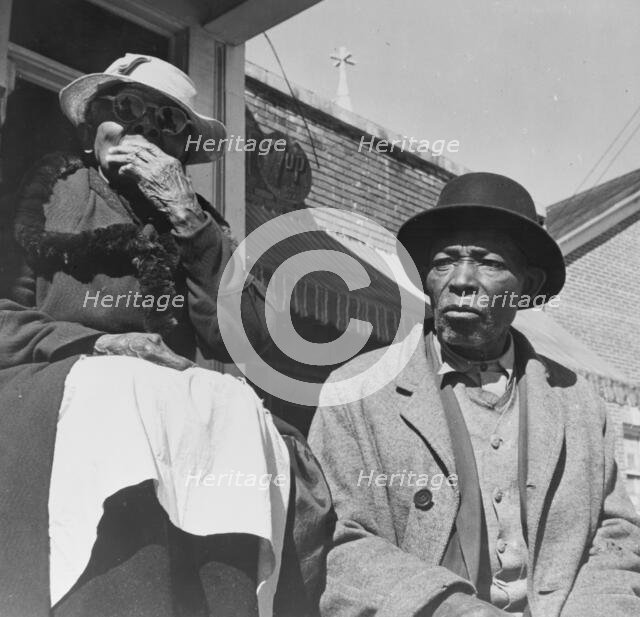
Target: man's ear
87, 135
534, 280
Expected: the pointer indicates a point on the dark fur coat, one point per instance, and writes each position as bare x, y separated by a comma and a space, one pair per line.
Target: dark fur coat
78, 237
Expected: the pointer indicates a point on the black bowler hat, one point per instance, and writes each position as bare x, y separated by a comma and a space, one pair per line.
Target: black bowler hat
488, 201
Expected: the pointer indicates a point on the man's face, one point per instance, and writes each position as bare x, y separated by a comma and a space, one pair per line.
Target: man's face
468, 273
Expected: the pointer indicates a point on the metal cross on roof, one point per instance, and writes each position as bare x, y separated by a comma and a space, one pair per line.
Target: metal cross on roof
342, 56
341, 59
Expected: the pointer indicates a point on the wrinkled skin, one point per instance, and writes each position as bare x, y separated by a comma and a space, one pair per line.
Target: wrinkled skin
143, 345
461, 268
161, 179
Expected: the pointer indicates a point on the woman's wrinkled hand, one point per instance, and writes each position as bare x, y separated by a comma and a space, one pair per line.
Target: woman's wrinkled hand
143, 345
161, 179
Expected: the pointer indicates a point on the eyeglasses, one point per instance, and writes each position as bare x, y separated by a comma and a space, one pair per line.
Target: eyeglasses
129, 108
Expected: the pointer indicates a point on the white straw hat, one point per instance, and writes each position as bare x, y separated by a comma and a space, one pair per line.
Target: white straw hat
157, 75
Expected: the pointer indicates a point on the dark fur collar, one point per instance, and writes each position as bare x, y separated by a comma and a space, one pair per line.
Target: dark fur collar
116, 250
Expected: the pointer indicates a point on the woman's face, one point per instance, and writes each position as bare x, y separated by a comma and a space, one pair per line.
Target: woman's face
108, 130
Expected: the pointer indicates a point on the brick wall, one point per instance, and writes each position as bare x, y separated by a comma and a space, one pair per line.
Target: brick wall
599, 303
617, 415
599, 306
388, 188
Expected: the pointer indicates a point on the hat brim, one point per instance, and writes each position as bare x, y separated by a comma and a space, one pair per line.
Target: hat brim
540, 249
75, 96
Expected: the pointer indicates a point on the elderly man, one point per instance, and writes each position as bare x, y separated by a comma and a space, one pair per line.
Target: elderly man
532, 518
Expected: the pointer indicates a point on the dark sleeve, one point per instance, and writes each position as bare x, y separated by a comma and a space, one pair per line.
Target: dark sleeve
308, 532
29, 335
204, 255
608, 583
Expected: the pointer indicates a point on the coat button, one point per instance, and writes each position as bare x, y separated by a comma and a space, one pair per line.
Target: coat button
423, 499
501, 546
497, 495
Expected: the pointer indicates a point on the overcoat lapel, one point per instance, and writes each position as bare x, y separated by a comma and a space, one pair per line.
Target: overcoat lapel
420, 405
545, 436
446, 434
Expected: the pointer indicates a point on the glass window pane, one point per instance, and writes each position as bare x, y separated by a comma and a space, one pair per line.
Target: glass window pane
80, 34
34, 126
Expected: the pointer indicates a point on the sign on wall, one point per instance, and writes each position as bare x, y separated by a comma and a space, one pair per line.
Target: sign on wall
285, 170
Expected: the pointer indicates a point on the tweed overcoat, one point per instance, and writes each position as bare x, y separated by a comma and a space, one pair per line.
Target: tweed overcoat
583, 534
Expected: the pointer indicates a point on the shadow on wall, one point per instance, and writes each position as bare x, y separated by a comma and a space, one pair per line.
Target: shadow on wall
277, 183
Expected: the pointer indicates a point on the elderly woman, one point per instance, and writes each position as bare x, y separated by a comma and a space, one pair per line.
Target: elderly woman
124, 468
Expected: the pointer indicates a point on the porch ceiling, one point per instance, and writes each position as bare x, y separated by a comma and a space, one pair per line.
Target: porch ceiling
236, 21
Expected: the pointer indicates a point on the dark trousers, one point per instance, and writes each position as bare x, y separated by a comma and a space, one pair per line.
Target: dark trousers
144, 566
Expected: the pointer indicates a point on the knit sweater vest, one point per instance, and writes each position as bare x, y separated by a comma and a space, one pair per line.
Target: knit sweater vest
492, 423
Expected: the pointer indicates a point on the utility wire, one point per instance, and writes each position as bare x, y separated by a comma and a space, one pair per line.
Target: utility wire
609, 148
612, 161
293, 96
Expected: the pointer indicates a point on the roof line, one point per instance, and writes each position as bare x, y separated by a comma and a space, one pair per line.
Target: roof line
361, 124
596, 226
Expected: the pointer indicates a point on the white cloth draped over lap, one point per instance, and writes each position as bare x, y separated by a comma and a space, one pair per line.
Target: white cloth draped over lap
218, 462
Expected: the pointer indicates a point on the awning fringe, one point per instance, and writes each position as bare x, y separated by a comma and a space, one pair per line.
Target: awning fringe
330, 307
614, 391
